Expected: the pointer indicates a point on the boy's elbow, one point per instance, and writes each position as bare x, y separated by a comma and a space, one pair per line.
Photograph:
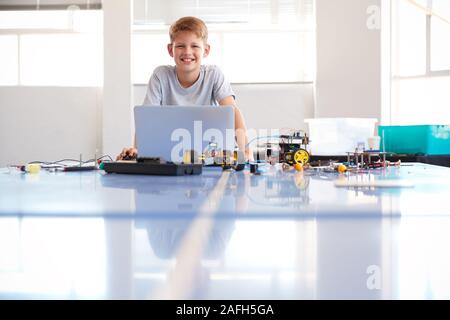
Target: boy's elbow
228, 101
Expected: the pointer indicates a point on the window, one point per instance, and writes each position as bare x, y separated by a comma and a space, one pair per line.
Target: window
9, 60
252, 41
440, 36
420, 59
59, 44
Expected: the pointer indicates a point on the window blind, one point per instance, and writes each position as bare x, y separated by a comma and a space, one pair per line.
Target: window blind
18, 5
268, 12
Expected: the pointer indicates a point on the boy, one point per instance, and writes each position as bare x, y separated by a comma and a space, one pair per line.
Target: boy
189, 82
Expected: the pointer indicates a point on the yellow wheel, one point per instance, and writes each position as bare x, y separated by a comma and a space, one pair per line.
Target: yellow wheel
301, 156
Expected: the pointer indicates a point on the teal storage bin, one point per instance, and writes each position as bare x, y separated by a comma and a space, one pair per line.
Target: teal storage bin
420, 139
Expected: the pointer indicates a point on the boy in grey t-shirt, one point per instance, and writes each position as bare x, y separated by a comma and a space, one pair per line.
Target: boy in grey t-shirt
209, 89
189, 82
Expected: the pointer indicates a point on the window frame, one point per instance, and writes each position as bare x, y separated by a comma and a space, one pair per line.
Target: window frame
223, 28
391, 109
428, 72
19, 32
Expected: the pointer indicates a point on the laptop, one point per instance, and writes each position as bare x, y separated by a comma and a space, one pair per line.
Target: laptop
167, 132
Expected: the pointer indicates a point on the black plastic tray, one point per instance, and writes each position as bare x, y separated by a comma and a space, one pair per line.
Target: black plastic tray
165, 169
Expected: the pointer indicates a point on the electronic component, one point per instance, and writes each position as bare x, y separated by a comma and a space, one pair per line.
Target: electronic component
287, 148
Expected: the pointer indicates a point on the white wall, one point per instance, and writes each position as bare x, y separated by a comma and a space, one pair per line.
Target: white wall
117, 91
275, 106
48, 123
348, 72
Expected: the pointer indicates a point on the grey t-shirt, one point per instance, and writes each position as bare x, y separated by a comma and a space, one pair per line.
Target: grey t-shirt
165, 89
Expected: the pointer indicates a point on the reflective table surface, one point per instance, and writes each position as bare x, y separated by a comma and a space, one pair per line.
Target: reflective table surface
226, 235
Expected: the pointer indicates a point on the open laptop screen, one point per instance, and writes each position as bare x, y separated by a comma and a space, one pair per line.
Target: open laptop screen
168, 131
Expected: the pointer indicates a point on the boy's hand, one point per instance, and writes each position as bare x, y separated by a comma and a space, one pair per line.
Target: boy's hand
127, 154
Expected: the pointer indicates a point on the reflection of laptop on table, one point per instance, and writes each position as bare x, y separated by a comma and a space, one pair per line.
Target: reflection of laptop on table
167, 132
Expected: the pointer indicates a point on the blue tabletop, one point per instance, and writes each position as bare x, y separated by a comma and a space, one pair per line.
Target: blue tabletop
274, 193
226, 235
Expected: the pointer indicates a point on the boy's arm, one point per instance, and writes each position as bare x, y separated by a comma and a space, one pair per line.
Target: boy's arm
240, 128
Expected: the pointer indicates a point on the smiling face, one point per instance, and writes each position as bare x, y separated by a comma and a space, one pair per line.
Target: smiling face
188, 50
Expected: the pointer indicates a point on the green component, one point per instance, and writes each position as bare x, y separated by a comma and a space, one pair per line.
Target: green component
418, 139
101, 166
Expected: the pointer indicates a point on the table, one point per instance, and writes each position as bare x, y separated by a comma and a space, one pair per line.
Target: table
225, 235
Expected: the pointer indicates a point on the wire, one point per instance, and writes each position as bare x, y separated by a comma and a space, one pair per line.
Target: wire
58, 162
257, 138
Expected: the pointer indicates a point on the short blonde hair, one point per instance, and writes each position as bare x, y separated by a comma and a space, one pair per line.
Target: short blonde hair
191, 24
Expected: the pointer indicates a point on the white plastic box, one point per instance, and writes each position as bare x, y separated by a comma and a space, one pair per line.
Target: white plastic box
337, 136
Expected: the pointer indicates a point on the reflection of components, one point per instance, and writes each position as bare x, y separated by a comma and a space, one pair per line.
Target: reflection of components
288, 189
300, 181
282, 189
290, 148
254, 168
